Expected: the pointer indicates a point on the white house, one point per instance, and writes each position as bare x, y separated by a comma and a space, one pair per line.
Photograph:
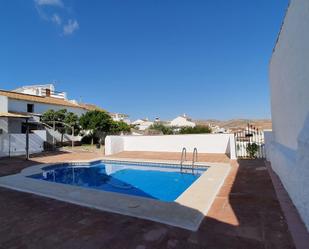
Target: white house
182, 121
32, 105
142, 124
120, 117
26, 105
288, 144
41, 90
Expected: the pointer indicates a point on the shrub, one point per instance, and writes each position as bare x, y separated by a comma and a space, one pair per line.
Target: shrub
119, 126
87, 139
252, 149
195, 130
162, 128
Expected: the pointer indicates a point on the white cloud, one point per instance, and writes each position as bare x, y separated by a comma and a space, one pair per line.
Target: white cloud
56, 19
46, 7
49, 2
70, 27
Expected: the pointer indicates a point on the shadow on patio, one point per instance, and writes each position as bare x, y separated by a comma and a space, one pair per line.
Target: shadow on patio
245, 214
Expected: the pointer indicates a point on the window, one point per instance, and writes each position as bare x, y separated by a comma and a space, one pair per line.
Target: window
30, 107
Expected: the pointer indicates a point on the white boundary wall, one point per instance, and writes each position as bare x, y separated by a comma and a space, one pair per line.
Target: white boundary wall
288, 145
205, 143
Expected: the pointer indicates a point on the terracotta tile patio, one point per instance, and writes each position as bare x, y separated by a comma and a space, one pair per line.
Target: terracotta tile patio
245, 214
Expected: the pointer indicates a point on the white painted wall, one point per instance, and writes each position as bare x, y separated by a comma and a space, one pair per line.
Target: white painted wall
288, 145
268, 140
114, 144
39, 108
15, 144
205, 143
40, 90
15, 125
41, 133
3, 103
4, 125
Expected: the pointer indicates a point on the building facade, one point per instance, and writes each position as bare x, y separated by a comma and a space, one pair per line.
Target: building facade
33, 105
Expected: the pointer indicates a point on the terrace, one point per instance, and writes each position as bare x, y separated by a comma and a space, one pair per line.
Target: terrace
246, 213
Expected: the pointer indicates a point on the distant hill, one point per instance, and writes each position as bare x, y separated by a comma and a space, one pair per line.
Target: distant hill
235, 124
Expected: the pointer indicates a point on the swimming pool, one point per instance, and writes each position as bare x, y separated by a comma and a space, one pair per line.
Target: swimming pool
130, 187
155, 181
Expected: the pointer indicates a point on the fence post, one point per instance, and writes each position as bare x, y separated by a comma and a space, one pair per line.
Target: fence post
232, 147
72, 137
27, 140
9, 145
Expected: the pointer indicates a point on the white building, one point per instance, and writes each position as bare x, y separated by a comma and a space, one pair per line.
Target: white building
23, 108
17, 103
142, 124
41, 90
288, 144
218, 129
182, 121
120, 117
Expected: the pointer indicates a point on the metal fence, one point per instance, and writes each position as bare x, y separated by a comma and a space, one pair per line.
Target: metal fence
250, 136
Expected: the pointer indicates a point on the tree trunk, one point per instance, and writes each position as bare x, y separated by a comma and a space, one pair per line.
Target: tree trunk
61, 139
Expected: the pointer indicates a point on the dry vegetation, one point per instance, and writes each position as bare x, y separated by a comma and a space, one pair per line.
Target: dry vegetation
235, 124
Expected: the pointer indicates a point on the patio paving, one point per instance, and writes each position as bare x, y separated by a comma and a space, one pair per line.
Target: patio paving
245, 214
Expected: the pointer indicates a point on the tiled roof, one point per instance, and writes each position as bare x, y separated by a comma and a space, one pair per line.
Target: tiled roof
12, 115
91, 107
41, 99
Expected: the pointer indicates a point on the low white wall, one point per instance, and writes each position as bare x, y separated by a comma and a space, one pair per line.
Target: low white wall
205, 143
15, 144
114, 144
268, 139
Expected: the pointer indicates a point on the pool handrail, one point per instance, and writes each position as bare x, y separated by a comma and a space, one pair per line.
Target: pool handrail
194, 158
183, 157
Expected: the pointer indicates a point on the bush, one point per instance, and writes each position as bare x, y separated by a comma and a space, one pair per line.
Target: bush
199, 129
88, 139
162, 128
252, 149
119, 126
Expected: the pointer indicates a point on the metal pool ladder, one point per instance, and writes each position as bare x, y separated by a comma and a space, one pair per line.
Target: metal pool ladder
194, 158
183, 157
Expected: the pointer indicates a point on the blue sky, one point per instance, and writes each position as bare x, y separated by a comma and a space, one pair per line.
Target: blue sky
146, 58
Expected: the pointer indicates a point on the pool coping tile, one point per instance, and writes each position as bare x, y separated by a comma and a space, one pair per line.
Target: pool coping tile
187, 211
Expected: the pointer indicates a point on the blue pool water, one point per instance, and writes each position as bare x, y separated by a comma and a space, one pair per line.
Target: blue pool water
152, 181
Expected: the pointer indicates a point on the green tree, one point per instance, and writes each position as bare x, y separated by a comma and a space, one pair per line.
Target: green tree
97, 122
119, 126
62, 120
72, 121
55, 118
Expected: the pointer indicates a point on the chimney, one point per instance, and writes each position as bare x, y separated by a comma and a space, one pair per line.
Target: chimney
47, 92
